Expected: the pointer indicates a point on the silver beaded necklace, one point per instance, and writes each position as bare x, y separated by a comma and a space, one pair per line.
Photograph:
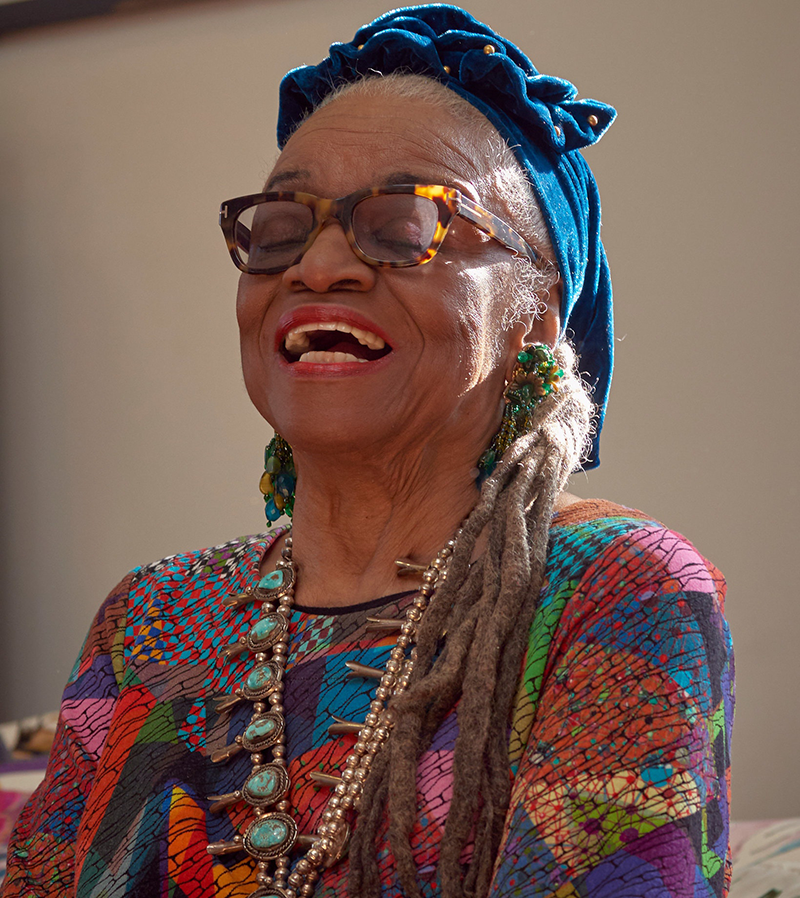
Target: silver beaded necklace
273, 834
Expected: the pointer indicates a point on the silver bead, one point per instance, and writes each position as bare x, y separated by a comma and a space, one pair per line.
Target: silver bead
257, 757
281, 647
296, 880
383, 693
429, 577
403, 641
371, 719
347, 775
259, 707
283, 806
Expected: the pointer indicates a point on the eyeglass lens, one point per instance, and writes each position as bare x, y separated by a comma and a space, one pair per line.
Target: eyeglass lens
397, 227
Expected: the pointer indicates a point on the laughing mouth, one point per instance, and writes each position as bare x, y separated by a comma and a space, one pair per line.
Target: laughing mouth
332, 342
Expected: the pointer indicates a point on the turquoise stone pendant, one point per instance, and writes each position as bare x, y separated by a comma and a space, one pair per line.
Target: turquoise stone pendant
263, 732
274, 585
261, 681
266, 631
270, 836
266, 785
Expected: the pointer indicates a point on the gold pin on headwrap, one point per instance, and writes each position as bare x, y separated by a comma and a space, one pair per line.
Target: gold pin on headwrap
593, 120
489, 49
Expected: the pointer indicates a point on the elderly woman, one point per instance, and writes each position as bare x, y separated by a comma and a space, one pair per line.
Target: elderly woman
452, 677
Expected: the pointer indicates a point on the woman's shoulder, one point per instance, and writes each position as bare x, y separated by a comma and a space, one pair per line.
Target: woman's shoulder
610, 544
221, 560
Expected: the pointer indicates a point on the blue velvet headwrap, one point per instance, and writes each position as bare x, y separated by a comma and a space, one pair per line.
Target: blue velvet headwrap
536, 114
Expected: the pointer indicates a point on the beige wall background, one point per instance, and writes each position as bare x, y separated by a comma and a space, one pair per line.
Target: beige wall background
126, 431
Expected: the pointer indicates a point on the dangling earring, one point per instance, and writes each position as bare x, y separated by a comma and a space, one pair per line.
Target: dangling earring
535, 375
279, 479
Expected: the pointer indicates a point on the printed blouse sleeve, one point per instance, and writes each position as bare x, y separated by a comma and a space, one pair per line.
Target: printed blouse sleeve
622, 785
41, 851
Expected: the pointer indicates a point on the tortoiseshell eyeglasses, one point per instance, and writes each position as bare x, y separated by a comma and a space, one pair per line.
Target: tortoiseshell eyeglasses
388, 227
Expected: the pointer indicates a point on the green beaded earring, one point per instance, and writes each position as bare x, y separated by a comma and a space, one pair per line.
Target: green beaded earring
535, 376
279, 479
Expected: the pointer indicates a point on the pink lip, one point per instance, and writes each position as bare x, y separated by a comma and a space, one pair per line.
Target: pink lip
313, 314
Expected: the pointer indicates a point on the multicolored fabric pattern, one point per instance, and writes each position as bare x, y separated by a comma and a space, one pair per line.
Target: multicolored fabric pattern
619, 739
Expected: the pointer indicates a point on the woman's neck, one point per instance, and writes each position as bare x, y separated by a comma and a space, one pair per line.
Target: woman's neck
348, 529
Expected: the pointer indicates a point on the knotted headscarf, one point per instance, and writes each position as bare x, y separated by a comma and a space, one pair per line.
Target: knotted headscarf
537, 115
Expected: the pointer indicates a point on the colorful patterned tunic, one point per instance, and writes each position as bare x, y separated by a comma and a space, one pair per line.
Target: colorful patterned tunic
619, 740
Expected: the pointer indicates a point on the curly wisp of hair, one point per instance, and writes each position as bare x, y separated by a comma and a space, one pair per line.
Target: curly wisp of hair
485, 608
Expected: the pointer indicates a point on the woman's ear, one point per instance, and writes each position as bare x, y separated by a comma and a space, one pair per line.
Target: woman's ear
543, 327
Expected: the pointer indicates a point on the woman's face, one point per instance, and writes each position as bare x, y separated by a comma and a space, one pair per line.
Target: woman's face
445, 356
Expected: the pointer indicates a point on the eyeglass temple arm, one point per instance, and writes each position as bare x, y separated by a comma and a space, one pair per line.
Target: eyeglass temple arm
495, 227
242, 236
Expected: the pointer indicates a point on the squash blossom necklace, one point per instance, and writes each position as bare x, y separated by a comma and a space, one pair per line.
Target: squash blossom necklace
273, 834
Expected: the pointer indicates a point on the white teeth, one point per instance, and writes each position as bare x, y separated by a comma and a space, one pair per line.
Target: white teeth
329, 358
296, 340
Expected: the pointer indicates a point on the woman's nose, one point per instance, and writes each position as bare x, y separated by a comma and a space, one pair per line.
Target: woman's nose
330, 264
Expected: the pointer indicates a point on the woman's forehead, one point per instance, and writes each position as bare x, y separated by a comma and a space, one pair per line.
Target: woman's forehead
362, 140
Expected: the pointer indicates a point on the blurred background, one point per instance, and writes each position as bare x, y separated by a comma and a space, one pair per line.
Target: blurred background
125, 431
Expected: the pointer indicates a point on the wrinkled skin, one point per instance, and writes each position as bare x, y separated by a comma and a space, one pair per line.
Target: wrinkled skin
385, 451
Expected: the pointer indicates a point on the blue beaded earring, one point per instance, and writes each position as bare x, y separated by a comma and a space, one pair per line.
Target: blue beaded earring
279, 479
535, 376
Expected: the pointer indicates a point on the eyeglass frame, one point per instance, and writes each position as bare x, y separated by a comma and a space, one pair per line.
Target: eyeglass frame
450, 203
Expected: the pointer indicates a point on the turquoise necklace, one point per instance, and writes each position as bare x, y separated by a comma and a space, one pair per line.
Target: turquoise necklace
272, 835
